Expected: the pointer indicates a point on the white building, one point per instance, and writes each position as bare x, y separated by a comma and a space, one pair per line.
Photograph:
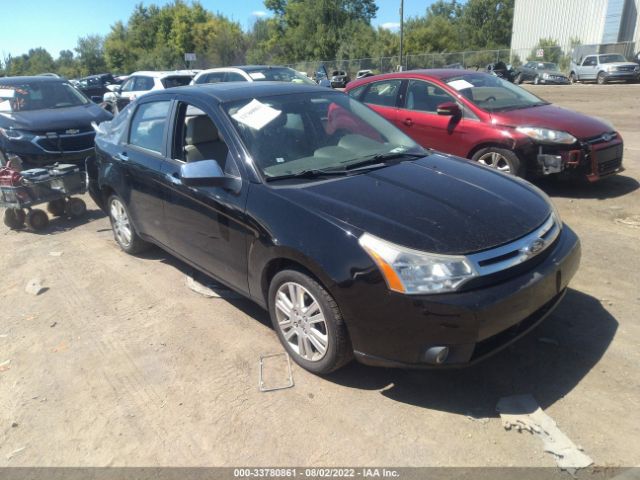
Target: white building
589, 21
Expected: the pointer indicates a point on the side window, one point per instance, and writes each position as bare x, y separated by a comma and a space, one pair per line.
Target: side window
197, 138
234, 77
384, 93
128, 85
213, 77
425, 97
357, 92
148, 124
589, 62
143, 84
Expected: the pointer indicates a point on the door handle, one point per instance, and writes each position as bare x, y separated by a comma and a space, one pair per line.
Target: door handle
123, 157
174, 178
408, 122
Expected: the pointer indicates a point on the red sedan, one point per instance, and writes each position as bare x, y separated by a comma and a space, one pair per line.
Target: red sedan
484, 118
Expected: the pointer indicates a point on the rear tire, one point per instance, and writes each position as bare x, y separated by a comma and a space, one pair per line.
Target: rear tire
500, 159
14, 218
76, 207
57, 207
124, 232
318, 342
37, 219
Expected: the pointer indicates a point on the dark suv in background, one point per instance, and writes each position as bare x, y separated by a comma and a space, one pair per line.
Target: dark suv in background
44, 120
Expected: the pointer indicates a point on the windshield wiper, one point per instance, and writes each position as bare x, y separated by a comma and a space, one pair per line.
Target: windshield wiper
379, 158
313, 173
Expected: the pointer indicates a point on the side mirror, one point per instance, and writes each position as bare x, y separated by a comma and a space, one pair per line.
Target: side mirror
450, 109
207, 173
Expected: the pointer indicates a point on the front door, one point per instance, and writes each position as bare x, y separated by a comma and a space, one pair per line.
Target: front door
205, 225
419, 119
142, 158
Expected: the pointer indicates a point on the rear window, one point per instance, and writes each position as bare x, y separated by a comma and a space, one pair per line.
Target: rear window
176, 81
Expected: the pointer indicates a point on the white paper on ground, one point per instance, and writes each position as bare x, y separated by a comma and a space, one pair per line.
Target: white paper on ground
460, 84
256, 114
521, 412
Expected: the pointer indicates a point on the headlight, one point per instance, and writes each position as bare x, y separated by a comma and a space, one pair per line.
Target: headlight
12, 134
546, 135
414, 272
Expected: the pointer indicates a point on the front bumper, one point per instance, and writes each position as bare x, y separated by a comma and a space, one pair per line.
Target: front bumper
38, 151
554, 81
624, 75
594, 158
396, 330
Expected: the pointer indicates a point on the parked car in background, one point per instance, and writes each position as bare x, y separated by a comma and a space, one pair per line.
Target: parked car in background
364, 73
251, 73
140, 83
501, 70
95, 86
604, 68
489, 120
355, 239
339, 79
44, 120
540, 72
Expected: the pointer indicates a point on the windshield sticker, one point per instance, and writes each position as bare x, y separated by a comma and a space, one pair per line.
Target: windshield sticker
256, 114
460, 84
257, 75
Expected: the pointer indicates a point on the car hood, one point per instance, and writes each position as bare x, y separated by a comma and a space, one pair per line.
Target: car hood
436, 204
553, 117
55, 119
620, 64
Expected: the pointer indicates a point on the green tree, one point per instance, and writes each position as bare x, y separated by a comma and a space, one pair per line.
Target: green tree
486, 24
90, 50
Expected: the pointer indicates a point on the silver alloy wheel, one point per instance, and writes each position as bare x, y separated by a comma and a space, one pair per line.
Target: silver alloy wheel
301, 321
495, 160
120, 222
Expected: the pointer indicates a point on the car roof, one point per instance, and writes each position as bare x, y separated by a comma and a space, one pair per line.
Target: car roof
163, 74
31, 79
430, 73
230, 91
244, 68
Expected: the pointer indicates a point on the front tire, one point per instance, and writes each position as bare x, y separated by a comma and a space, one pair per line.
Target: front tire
123, 231
37, 219
500, 159
602, 78
308, 322
14, 218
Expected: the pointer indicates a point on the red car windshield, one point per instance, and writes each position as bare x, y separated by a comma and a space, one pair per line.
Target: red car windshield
492, 94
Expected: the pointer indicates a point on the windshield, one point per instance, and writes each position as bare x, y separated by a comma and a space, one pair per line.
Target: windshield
289, 134
493, 94
39, 96
279, 74
612, 58
547, 66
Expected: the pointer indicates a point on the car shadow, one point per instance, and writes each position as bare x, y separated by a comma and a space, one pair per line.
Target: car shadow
610, 187
547, 363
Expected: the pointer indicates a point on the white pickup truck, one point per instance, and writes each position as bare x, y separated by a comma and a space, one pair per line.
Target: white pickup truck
603, 68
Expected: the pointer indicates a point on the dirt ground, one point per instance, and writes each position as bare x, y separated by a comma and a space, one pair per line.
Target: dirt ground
118, 363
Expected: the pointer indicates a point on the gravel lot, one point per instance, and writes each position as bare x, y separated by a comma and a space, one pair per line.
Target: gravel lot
118, 363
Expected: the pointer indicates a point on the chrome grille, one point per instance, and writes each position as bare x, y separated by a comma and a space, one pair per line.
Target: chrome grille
517, 252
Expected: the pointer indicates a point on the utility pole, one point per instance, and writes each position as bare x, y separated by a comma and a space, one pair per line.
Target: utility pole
401, 31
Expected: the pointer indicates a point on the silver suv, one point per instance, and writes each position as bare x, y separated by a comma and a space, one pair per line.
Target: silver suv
603, 68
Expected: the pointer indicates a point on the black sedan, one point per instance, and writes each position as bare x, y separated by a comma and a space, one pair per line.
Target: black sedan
541, 72
358, 241
44, 120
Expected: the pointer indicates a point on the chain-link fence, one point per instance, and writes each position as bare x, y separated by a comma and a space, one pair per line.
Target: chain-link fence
471, 59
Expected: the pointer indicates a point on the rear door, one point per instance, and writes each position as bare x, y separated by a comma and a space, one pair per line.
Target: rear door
142, 157
206, 225
384, 97
419, 119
